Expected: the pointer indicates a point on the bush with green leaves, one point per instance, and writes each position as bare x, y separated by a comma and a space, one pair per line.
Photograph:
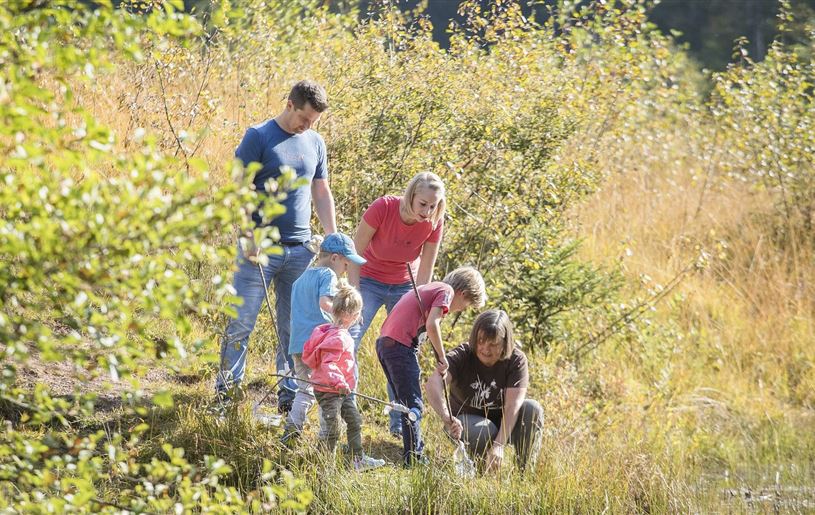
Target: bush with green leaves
97, 247
102, 234
515, 117
488, 115
766, 111
119, 204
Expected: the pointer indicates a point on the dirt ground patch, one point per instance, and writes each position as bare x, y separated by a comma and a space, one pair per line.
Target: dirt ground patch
66, 379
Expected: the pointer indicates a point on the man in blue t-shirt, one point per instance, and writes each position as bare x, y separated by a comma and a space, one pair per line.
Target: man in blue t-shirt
284, 141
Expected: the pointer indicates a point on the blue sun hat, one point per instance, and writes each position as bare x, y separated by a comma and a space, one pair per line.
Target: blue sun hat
342, 244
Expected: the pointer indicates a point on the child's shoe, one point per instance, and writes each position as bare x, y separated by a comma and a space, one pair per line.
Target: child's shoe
284, 407
364, 462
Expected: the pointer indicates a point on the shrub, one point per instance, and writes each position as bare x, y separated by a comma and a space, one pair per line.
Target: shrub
95, 249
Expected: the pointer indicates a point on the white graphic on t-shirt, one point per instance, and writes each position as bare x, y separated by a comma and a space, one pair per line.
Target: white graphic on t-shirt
482, 393
297, 157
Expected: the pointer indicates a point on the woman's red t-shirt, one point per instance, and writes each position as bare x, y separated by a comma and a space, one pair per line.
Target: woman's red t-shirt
394, 243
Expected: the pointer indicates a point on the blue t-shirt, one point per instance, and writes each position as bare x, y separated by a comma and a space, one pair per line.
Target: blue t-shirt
271, 146
306, 314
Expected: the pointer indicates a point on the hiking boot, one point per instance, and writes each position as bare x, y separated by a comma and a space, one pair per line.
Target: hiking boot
417, 461
230, 398
221, 406
363, 463
218, 412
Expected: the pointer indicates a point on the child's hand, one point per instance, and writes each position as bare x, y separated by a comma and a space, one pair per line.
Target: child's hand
343, 390
442, 366
454, 427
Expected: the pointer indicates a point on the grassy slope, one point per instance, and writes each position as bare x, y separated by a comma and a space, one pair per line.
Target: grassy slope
733, 377
713, 399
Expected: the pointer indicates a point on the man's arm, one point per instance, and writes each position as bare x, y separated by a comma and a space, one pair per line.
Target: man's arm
324, 204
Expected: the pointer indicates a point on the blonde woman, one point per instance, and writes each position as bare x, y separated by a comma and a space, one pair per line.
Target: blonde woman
396, 230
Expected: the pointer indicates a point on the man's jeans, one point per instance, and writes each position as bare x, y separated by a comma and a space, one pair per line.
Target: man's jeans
527, 435
401, 366
376, 294
283, 269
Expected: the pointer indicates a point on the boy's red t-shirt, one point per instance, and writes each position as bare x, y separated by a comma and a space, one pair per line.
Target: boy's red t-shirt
405, 323
394, 243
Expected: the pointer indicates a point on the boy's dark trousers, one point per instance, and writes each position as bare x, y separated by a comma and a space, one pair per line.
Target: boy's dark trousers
335, 406
401, 366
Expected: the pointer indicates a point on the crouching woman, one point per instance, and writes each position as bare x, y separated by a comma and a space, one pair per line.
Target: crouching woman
488, 379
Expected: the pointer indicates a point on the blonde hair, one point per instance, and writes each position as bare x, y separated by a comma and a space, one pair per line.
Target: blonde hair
468, 281
493, 325
347, 301
423, 180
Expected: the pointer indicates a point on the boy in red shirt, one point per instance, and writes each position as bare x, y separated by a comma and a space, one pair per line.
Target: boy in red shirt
411, 322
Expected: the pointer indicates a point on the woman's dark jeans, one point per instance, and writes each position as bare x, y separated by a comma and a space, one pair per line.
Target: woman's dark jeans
527, 435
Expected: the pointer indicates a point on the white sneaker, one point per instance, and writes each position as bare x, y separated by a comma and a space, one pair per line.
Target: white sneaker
363, 463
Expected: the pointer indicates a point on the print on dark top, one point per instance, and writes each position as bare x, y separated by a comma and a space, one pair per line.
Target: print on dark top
478, 389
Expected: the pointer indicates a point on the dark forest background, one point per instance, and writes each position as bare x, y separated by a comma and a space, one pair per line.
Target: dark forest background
708, 27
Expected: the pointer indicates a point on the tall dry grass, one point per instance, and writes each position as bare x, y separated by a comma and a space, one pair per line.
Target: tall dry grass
735, 381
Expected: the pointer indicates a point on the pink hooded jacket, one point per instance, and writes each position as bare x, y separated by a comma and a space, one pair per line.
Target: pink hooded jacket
329, 353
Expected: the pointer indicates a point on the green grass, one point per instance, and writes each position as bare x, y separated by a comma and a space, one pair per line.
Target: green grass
605, 450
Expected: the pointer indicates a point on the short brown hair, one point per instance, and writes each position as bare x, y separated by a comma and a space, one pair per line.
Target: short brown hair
311, 92
493, 325
468, 281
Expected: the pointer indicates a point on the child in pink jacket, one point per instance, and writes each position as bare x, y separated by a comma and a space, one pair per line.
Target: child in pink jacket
329, 352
